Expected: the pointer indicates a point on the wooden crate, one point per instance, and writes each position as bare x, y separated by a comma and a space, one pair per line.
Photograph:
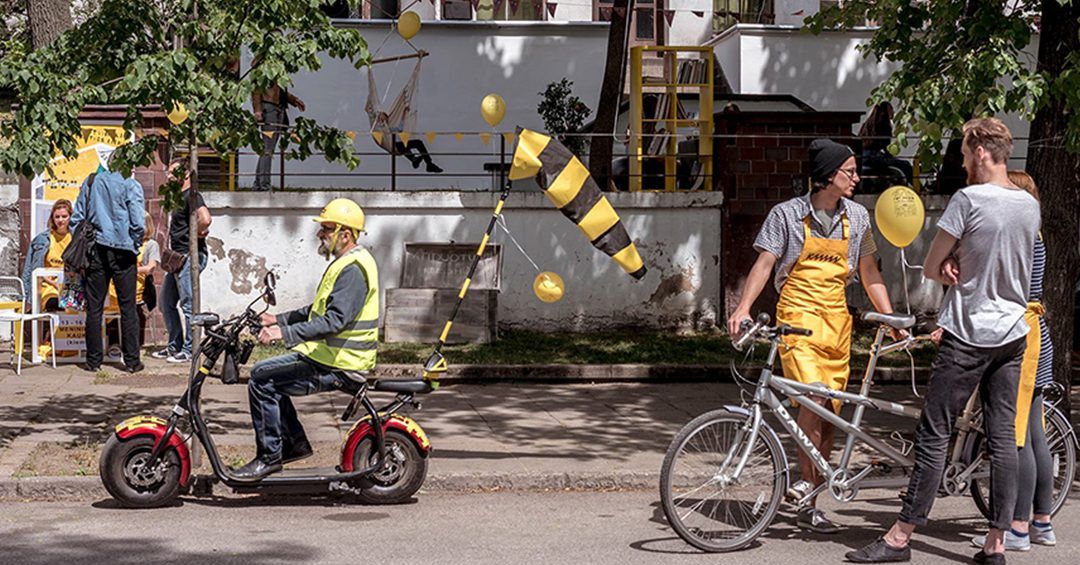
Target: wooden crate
419, 314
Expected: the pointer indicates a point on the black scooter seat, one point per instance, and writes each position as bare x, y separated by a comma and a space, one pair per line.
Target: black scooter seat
395, 385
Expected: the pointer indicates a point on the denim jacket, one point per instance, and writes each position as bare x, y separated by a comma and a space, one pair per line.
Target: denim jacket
35, 259
115, 209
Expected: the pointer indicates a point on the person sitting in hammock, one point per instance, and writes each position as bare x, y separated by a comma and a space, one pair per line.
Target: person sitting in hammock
400, 118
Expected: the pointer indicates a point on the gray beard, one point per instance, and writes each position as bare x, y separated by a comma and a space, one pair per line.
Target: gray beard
323, 249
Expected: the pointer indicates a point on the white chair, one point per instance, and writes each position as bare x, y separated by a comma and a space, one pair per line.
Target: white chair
11, 311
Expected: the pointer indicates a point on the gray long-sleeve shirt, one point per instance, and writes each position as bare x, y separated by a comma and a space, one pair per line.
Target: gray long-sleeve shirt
342, 307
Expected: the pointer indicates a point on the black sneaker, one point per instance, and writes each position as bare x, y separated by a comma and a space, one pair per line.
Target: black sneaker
879, 552
989, 559
138, 366
89, 368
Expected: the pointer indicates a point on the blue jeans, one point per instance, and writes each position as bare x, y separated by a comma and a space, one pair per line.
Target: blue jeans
176, 298
273, 381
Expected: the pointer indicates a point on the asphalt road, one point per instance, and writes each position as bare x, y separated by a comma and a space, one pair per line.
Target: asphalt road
510, 527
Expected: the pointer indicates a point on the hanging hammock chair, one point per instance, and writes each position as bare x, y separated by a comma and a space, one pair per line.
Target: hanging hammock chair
401, 116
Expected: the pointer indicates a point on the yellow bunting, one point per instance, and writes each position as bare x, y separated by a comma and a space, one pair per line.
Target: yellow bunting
458, 136
509, 137
485, 138
295, 137
430, 136
377, 136
493, 108
268, 133
549, 287
408, 25
404, 136
178, 114
899, 215
350, 134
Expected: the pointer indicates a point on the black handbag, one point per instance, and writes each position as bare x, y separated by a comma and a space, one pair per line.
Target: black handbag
77, 255
149, 293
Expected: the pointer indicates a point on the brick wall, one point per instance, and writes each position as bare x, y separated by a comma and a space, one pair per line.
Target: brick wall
764, 163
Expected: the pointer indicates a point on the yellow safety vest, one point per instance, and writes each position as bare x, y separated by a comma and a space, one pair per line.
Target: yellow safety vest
354, 348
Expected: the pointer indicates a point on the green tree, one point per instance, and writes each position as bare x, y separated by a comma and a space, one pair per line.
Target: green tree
563, 113
966, 59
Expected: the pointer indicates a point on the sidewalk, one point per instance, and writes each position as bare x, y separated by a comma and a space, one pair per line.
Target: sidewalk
484, 436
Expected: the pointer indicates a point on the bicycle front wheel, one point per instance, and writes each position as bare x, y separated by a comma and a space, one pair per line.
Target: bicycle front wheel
709, 502
1062, 463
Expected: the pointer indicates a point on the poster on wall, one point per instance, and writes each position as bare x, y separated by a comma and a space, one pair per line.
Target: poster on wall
95, 146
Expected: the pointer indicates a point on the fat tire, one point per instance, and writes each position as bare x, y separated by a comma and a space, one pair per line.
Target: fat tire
114, 456
402, 490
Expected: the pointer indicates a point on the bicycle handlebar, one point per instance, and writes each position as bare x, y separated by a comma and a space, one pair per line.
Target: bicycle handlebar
761, 328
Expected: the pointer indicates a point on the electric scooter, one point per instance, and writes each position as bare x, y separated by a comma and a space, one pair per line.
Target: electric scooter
384, 458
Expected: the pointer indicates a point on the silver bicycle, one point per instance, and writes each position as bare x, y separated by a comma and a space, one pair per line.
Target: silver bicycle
726, 472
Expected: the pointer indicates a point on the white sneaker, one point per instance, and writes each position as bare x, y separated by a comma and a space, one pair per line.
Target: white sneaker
162, 354
1042, 536
1013, 542
179, 357
799, 491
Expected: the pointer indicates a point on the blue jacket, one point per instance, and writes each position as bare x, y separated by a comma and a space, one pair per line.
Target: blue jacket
115, 210
35, 259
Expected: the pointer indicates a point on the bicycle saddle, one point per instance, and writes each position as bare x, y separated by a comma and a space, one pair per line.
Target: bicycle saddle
898, 321
394, 385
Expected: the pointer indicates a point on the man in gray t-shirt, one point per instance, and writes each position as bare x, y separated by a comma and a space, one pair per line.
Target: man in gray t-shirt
983, 251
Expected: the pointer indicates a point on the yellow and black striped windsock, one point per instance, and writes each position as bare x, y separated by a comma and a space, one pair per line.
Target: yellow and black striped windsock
568, 185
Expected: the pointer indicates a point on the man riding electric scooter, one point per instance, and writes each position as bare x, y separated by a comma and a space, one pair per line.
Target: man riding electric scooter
338, 332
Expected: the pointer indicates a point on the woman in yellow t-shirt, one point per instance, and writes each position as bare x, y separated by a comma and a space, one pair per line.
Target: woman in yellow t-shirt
47, 250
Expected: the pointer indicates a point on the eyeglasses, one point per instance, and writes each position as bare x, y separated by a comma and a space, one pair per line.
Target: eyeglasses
849, 172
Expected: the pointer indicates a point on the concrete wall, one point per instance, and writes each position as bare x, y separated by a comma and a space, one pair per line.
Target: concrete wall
678, 236
826, 71
468, 60
9, 240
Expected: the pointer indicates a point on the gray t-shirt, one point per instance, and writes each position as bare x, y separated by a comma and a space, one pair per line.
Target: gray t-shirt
996, 229
151, 252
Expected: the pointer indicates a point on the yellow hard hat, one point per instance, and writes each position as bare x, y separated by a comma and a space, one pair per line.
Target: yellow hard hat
344, 212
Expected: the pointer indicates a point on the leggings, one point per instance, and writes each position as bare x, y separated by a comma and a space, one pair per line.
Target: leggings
1034, 475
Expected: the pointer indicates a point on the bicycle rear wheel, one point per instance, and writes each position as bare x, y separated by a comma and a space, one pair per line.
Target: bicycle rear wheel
1062, 458
705, 503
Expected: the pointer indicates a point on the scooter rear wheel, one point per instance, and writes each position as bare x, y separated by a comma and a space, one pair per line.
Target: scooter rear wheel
125, 475
401, 476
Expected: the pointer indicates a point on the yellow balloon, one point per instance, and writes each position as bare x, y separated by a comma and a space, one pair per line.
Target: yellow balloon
493, 108
549, 287
178, 114
899, 215
408, 25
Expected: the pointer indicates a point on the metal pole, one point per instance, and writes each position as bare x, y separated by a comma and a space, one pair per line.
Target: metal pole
281, 154
393, 161
502, 160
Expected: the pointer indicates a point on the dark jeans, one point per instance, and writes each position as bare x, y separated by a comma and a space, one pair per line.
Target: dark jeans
1036, 475
275, 120
272, 382
422, 154
116, 265
958, 370
176, 300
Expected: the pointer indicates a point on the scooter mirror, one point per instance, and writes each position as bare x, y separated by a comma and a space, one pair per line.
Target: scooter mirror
270, 281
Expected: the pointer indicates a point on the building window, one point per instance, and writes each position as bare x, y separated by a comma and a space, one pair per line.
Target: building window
507, 11
646, 22
727, 13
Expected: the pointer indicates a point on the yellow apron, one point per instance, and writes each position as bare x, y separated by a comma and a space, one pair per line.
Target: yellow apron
1028, 368
813, 298
53, 260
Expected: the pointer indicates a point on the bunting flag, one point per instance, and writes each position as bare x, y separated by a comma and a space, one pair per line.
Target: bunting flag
496, 5
605, 14
698, 13
669, 15
268, 133
567, 183
620, 11
350, 135
377, 136
485, 138
430, 136
551, 9
475, 4
509, 137
458, 136
514, 6
404, 137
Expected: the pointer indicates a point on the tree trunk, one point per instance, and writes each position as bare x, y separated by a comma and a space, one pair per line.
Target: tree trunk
193, 236
1057, 173
607, 109
47, 20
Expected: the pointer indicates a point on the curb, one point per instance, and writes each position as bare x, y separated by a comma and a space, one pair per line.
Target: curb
560, 373
80, 489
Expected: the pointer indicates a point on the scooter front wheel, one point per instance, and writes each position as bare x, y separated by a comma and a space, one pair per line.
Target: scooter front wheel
128, 477
400, 477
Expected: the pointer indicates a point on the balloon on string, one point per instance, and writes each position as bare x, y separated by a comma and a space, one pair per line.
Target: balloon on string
408, 25
178, 114
899, 215
549, 287
493, 108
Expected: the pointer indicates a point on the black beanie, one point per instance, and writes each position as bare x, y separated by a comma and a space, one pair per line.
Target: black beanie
826, 156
